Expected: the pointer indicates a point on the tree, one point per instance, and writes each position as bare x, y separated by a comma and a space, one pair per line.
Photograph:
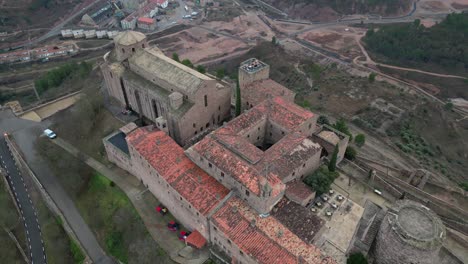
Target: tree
334, 157
360, 140
321, 180
220, 73
464, 185
238, 99
187, 63
175, 57
356, 258
372, 76
201, 69
323, 120
448, 106
350, 153
273, 40
341, 126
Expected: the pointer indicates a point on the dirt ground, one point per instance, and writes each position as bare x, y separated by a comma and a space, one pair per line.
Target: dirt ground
434, 6
340, 39
197, 44
201, 45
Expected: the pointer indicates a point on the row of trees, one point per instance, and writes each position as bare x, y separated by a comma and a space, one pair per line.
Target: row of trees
55, 77
188, 63
445, 44
220, 73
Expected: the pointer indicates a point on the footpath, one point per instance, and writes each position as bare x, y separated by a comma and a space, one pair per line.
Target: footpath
136, 192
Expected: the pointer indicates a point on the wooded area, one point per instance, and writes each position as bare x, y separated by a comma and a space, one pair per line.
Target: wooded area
444, 44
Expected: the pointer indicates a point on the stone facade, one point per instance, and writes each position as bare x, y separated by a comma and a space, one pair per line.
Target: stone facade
146, 81
255, 84
409, 233
329, 138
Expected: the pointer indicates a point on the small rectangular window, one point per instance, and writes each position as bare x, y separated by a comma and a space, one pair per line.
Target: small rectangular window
207, 124
206, 100
194, 125
210, 165
222, 174
247, 193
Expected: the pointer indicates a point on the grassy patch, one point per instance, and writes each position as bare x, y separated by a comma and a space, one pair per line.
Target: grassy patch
105, 208
56, 240
9, 219
107, 202
78, 256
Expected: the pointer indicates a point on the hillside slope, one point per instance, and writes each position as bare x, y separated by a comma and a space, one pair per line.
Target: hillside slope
323, 10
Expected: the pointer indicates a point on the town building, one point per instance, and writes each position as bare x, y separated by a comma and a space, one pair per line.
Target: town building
178, 99
146, 23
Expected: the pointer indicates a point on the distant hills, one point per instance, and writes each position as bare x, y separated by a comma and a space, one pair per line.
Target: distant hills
324, 10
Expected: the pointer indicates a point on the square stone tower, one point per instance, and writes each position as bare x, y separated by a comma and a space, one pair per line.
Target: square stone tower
252, 70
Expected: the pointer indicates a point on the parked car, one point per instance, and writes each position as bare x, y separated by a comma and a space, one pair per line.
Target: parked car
50, 134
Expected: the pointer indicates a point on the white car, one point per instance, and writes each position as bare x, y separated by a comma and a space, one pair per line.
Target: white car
50, 134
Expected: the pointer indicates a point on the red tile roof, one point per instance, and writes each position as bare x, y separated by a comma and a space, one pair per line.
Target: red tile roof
237, 167
202, 191
196, 239
229, 149
264, 239
299, 190
146, 20
258, 91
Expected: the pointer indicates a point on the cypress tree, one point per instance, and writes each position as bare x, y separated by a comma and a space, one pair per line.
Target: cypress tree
238, 98
332, 163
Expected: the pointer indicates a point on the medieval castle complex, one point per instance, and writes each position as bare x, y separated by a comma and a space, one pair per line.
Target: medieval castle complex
239, 186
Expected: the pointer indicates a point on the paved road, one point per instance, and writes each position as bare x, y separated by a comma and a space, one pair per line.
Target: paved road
31, 224
25, 133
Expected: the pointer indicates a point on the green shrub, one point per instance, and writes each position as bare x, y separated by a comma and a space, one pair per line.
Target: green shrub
187, 63
78, 256
350, 153
220, 73
356, 258
360, 140
201, 69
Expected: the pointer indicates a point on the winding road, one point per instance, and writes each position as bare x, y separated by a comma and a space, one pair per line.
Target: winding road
23, 200
25, 133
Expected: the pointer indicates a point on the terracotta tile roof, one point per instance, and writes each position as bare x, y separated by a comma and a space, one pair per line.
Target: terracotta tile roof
288, 114
146, 20
299, 219
202, 191
290, 153
258, 91
196, 239
229, 150
264, 239
236, 166
298, 190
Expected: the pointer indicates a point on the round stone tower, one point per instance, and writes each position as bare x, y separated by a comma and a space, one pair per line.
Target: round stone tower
410, 233
127, 42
